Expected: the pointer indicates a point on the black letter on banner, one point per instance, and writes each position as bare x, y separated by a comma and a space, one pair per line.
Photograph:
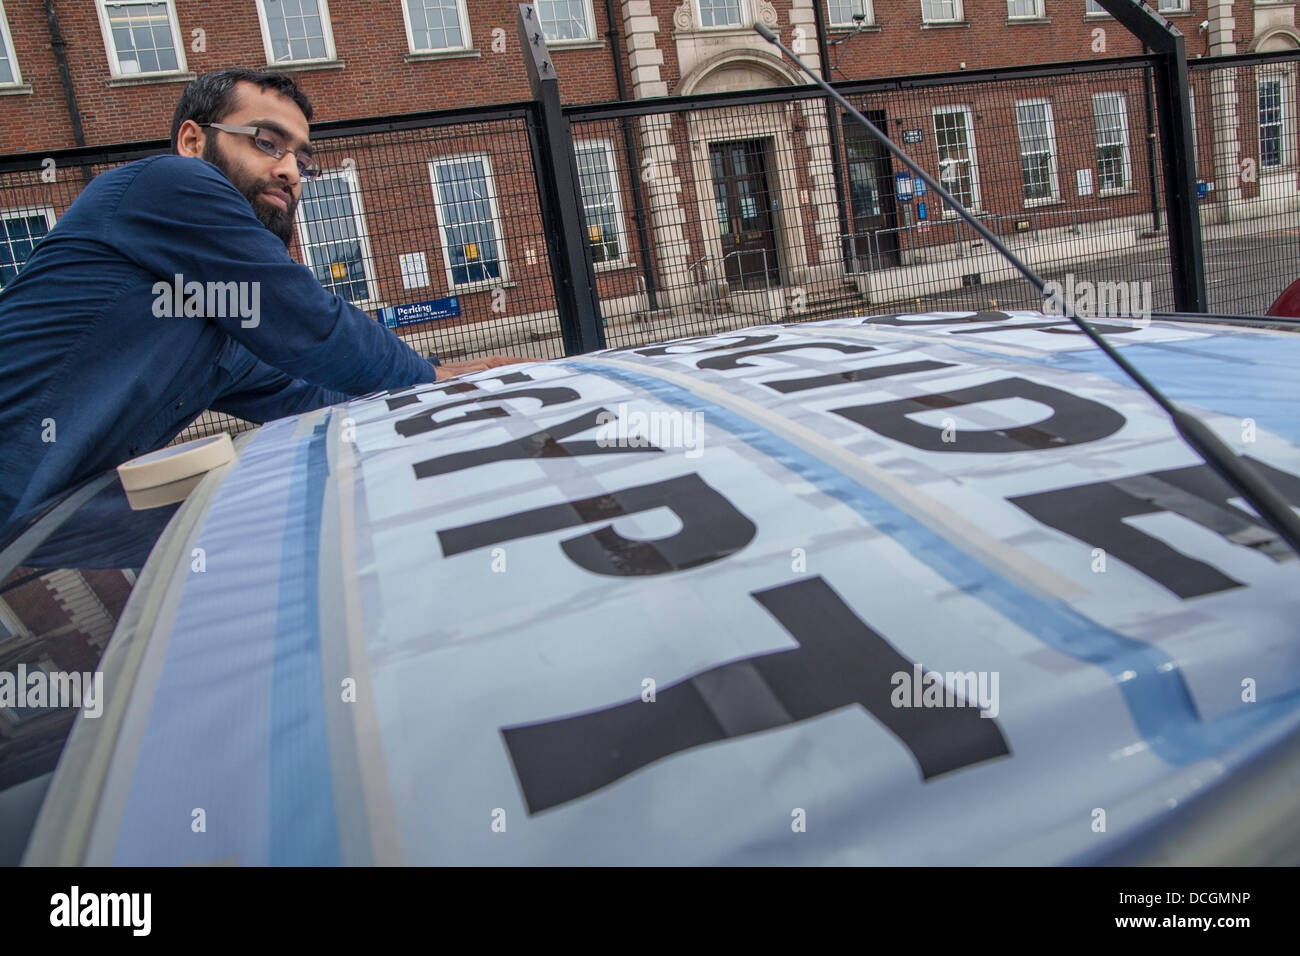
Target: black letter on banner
746, 342
712, 529
1095, 515
1074, 420
786, 386
456, 388
540, 444
840, 662
734, 361
423, 422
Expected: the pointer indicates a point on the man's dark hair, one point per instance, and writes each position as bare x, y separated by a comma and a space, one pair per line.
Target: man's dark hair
211, 97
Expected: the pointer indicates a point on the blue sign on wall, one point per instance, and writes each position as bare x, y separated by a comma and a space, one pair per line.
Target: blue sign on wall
903, 185
920, 210
396, 315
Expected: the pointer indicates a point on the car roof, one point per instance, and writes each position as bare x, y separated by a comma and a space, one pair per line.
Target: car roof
905, 588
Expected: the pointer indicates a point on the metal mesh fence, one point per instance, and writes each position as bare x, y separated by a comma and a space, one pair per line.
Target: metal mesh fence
1248, 163
721, 211
751, 221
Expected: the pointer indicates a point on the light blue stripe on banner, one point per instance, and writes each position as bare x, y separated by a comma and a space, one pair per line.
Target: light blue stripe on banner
236, 725
1152, 686
304, 831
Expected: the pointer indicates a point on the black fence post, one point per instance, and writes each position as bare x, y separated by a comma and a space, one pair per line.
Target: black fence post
556, 169
1176, 151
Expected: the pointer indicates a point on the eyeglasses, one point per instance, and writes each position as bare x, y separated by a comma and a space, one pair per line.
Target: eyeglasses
272, 143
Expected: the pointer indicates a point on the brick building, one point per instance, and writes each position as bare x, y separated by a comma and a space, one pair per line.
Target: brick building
746, 198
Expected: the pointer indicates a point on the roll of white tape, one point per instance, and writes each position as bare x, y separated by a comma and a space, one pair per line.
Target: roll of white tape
176, 462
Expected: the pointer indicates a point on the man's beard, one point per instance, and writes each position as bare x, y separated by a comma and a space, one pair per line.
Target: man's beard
279, 221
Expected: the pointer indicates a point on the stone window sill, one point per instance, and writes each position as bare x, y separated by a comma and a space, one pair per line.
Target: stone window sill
425, 56
148, 78
302, 67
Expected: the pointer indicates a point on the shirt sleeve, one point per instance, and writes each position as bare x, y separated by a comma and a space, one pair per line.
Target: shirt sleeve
261, 393
181, 216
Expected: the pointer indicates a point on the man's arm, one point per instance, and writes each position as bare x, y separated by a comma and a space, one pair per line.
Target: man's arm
260, 393
182, 217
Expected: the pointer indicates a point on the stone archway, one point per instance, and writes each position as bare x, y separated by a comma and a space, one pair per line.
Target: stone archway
742, 69
1278, 38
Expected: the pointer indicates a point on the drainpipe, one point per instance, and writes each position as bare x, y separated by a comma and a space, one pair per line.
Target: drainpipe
633, 162
59, 45
832, 117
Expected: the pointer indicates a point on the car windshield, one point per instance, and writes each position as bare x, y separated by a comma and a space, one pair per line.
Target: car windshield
65, 576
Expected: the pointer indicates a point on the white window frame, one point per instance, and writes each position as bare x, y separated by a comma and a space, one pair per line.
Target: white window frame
28, 212
1054, 183
1093, 13
959, 14
1173, 6
349, 176
607, 148
7, 38
866, 6
110, 47
746, 17
970, 151
327, 29
591, 29
1128, 144
1036, 15
461, 11
497, 225
1286, 108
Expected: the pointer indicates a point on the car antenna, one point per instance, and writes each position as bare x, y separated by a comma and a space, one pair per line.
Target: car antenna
1233, 468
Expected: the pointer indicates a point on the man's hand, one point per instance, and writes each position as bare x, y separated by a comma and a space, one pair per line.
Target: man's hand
452, 369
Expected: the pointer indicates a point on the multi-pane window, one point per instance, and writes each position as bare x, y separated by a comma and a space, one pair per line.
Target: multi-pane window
1110, 113
296, 30
1272, 146
19, 233
600, 202
565, 19
940, 11
842, 13
468, 222
1172, 6
1024, 9
720, 13
1037, 149
142, 37
436, 24
332, 234
1094, 7
956, 146
8, 62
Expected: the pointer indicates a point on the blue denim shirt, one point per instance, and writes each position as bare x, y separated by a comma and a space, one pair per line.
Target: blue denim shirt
94, 368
